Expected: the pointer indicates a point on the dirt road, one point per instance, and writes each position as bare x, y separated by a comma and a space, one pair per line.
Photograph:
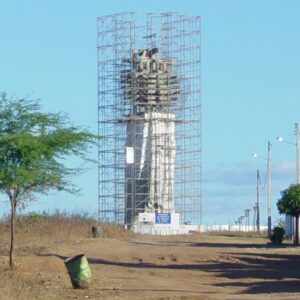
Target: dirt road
143, 267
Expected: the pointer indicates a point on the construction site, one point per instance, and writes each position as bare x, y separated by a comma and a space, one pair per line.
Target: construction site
149, 122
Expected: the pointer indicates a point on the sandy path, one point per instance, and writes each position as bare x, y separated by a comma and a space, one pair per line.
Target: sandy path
185, 267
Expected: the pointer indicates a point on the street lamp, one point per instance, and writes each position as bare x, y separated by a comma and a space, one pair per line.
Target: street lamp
297, 144
258, 202
254, 216
289, 220
241, 220
247, 213
269, 159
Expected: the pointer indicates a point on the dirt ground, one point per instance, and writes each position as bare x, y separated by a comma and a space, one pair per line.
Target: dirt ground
196, 266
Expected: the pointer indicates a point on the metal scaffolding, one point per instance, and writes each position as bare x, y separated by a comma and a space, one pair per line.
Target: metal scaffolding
149, 116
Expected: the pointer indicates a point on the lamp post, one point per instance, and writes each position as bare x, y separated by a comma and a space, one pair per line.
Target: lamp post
269, 192
254, 216
269, 160
242, 219
290, 220
247, 214
240, 222
258, 203
297, 132
297, 144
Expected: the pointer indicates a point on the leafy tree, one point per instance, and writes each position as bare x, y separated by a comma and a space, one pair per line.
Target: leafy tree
33, 146
290, 204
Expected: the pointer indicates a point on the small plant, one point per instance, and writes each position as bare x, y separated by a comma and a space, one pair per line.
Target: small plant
277, 235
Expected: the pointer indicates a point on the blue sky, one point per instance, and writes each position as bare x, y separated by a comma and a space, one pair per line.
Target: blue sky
250, 84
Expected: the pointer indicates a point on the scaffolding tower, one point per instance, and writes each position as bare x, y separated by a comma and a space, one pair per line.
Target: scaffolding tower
149, 117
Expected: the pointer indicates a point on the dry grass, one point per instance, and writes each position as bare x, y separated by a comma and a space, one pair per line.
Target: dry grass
14, 285
41, 233
34, 230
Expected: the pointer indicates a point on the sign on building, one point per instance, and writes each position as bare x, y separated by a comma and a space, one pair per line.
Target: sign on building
163, 218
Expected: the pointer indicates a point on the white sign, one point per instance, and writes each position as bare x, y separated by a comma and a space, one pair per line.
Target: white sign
146, 217
129, 155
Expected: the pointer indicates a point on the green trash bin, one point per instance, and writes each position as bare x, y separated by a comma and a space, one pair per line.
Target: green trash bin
79, 271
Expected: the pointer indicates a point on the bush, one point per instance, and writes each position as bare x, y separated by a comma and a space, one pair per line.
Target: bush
277, 235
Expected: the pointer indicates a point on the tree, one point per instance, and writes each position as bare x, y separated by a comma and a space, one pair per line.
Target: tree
33, 149
290, 204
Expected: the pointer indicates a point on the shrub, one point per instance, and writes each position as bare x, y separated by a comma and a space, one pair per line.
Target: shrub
277, 235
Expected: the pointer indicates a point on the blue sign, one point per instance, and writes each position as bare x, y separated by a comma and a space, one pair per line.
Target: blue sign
162, 218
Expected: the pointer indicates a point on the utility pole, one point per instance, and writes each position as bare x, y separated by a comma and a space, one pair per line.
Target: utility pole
297, 132
240, 222
258, 203
243, 226
269, 192
295, 220
290, 220
247, 216
254, 216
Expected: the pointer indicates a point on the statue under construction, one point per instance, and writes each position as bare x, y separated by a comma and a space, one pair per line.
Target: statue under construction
149, 121
150, 141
